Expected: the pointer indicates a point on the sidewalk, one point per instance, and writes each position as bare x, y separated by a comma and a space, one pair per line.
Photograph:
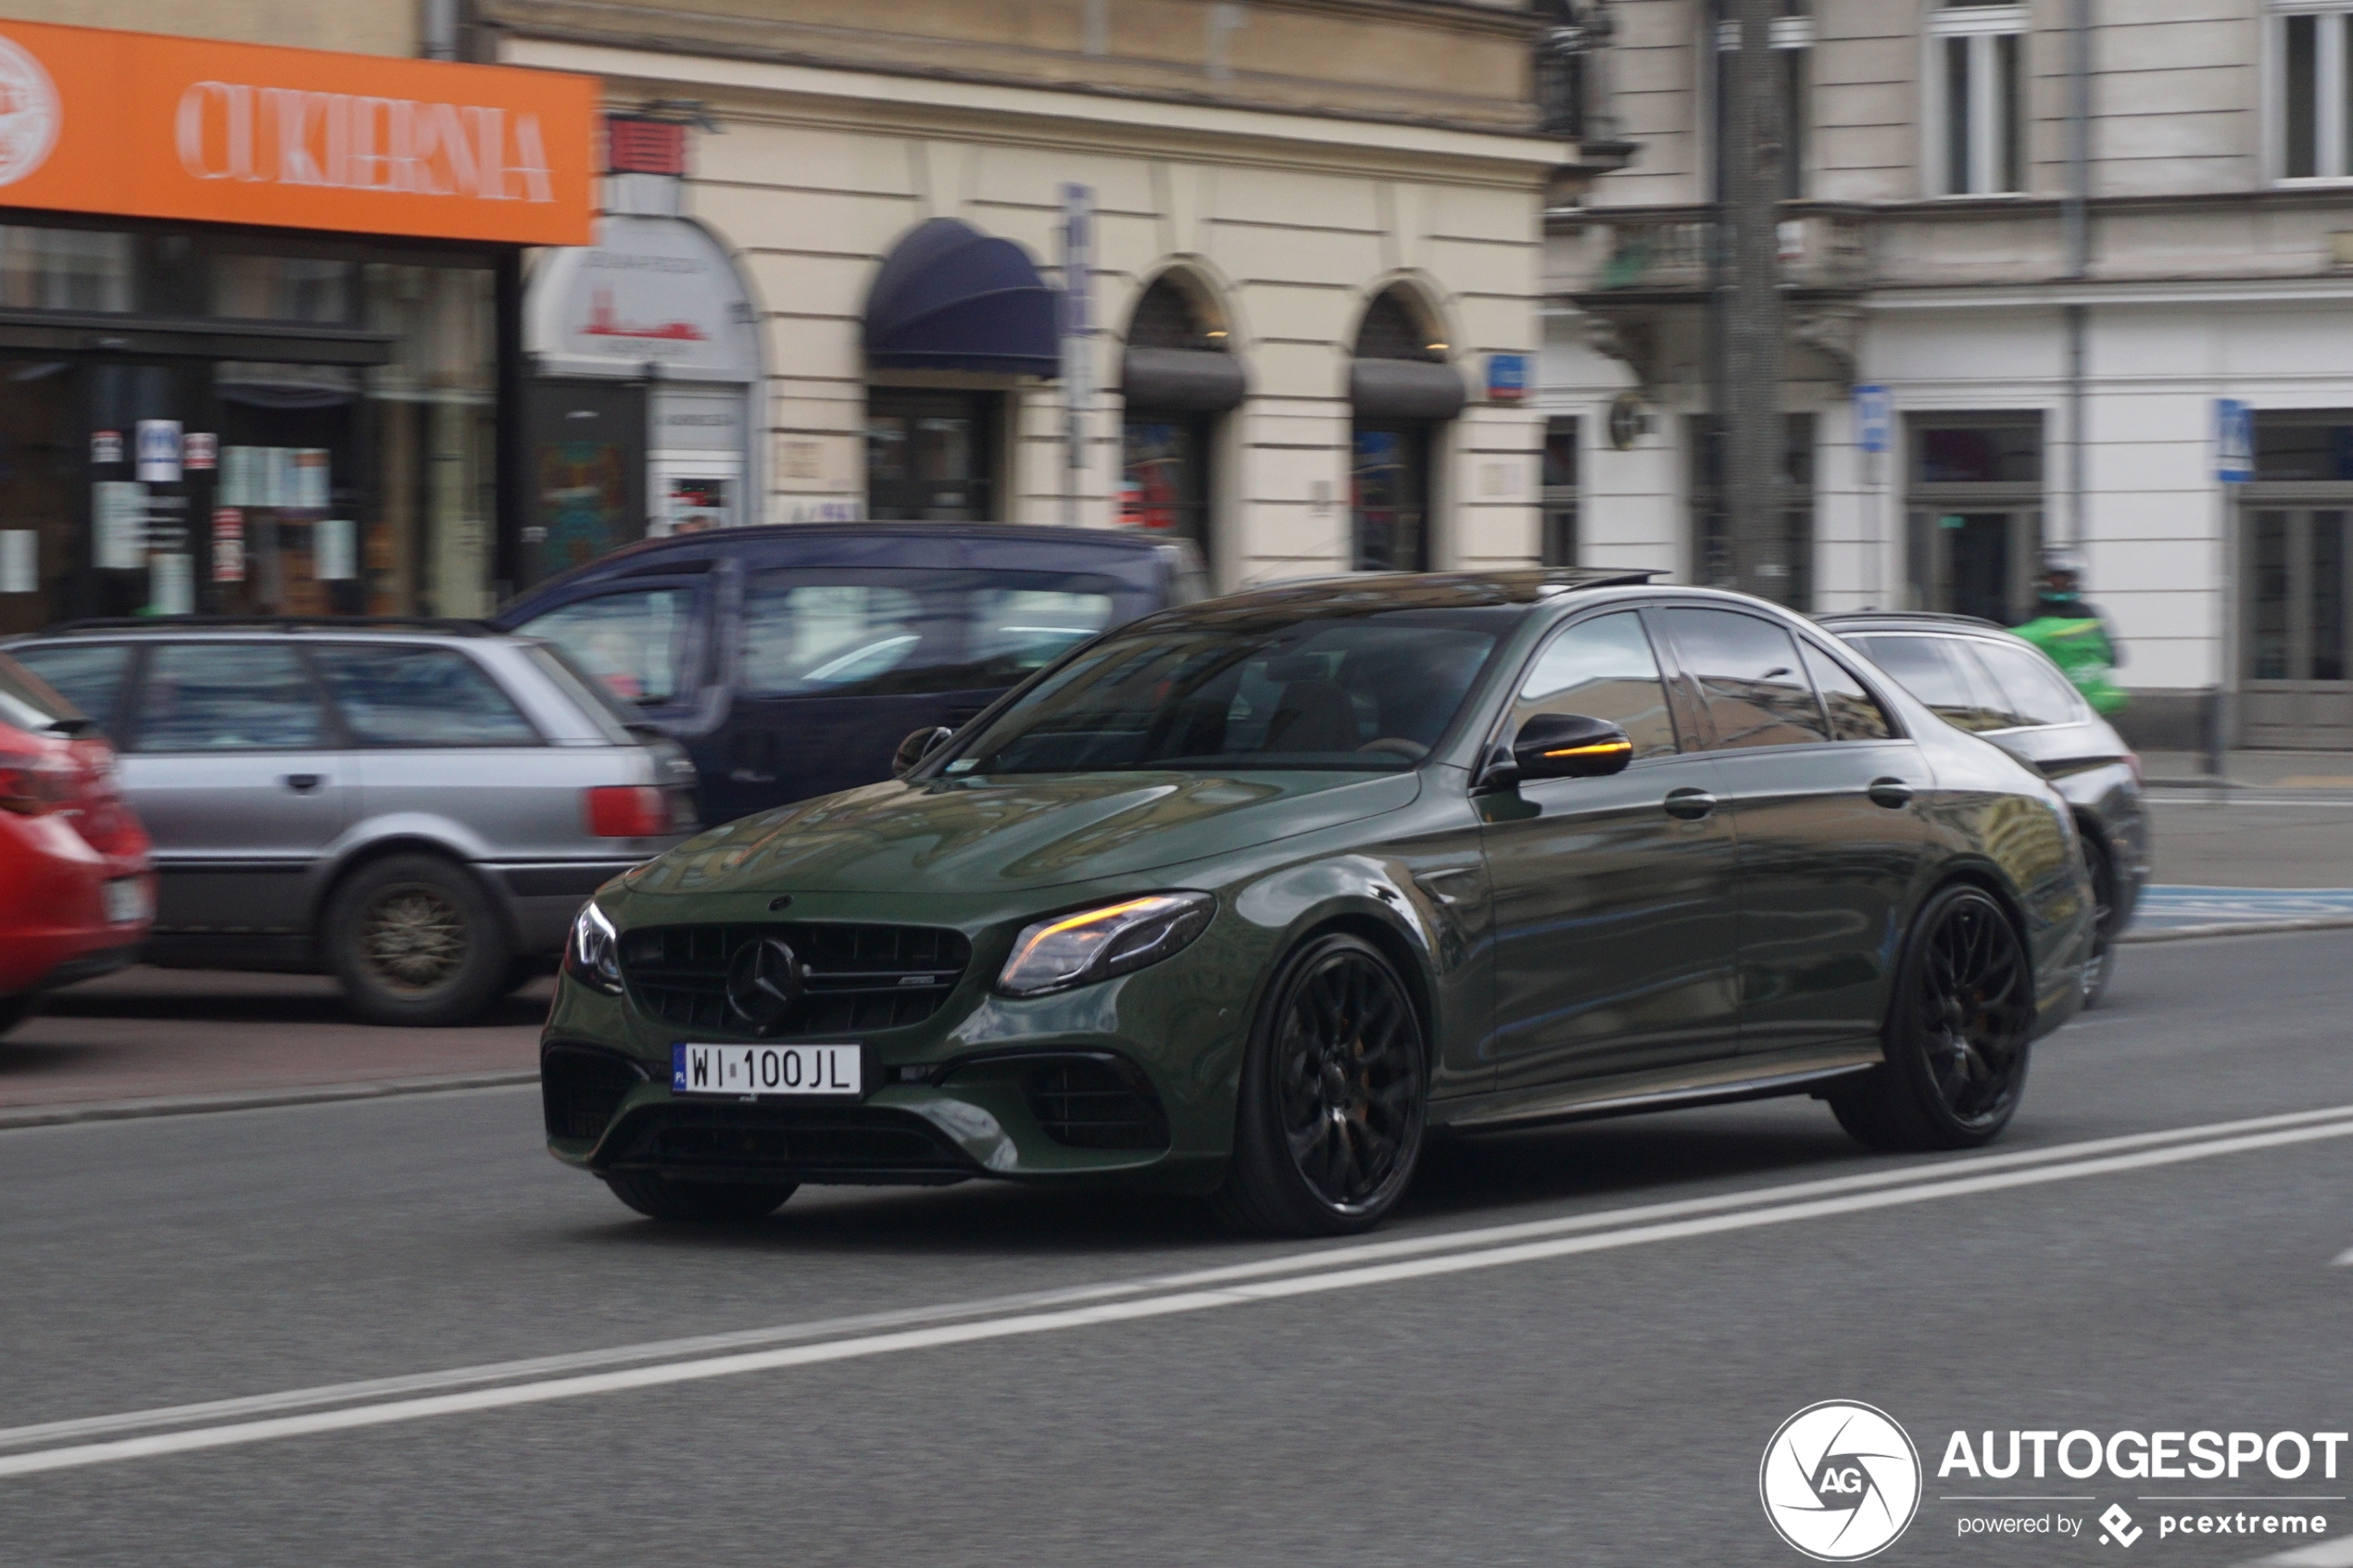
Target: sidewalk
158, 1040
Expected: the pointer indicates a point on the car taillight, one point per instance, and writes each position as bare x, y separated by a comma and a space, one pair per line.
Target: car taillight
34, 783
628, 811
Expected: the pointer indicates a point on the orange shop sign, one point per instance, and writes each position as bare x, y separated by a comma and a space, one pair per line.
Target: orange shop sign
138, 125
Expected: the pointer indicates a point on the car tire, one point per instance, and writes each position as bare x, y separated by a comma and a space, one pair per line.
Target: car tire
2101, 966
1959, 1031
415, 941
1334, 1100
659, 1197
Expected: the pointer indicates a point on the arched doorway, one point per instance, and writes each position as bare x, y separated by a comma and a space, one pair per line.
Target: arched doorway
1402, 390
1177, 376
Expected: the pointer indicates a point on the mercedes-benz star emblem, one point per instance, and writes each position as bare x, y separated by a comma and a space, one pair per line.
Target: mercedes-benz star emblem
763, 978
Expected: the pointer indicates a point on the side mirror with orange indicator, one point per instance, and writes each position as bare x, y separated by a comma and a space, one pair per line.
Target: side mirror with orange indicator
1570, 745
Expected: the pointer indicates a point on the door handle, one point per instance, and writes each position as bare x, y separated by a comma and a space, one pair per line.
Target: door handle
303, 784
1689, 804
1894, 793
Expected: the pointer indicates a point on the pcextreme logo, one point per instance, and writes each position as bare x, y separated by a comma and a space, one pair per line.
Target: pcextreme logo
1840, 1480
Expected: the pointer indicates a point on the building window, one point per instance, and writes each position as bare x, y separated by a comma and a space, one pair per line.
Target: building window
1976, 78
1793, 37
1560, 493
930, 455
1711, 515
1176, 377
1974, 504
2312, 125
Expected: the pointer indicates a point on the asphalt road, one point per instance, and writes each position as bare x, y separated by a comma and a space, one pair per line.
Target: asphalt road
1600, 1394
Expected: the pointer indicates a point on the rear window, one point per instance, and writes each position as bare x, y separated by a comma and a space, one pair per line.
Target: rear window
590, 695
88, 675
2038, 694
1926, 668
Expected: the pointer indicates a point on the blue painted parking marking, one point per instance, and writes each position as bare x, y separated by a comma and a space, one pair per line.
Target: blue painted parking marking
2165, 908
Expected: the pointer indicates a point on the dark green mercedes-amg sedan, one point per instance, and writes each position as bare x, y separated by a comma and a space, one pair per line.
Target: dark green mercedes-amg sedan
1246, 897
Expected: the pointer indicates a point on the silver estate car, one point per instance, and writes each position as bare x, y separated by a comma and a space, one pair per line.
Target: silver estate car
418, 808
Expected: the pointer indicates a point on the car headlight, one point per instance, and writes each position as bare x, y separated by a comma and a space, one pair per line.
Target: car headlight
593, 953
1077, 949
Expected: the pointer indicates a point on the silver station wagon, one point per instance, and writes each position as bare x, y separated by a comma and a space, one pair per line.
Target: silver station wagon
417, 807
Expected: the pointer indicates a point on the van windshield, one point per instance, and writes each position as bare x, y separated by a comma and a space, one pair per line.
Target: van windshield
1370, 692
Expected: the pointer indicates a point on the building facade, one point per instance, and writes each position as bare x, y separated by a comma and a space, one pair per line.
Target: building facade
2045, 392
260, 309
1312, 264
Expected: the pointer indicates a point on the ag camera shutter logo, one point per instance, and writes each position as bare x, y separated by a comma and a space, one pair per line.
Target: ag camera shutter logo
1840, 1480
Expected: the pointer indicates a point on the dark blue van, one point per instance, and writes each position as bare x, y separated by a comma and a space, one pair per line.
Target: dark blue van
790, 660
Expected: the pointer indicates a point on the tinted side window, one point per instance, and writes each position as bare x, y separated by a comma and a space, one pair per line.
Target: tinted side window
1925, 668
87, 675
1855, 712
419, 696
1015, 631
228, 697
1603, 669
812, 632
1748, 669
634, 642
2038, 694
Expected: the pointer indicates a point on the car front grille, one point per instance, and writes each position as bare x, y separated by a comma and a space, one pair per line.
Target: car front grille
579, 1091
859, 977
1086, 1103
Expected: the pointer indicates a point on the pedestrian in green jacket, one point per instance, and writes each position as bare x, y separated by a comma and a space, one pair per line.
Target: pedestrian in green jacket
2074, 633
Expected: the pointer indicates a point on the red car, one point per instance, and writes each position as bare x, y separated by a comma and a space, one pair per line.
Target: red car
76, 890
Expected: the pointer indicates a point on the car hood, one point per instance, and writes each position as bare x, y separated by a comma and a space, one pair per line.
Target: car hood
981, 835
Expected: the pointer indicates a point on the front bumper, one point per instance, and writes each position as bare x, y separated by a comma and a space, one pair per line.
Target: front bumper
1130, 1080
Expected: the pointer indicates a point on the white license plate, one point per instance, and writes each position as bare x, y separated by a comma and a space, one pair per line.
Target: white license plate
766, 1070
126, 900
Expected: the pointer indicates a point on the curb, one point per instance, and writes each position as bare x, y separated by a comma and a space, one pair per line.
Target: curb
255, 1099
2245, 928
2204, 780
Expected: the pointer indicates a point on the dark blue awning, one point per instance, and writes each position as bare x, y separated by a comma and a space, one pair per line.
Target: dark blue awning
949, 298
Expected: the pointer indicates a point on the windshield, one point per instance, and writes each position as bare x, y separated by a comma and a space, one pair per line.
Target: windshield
1370, 692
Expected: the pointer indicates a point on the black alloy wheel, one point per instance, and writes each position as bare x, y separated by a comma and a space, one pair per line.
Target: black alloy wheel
2101, 965
1957, 1033
659, 1197
1335, 1097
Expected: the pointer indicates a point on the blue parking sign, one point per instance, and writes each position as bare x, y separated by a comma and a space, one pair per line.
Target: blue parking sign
1874, 414
2233, 440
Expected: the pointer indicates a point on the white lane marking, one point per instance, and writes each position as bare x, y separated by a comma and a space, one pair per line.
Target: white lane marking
550, 1389
1323, 1257
2344, 1259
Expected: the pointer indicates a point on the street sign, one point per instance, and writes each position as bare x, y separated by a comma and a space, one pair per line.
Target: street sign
2233, 440
1874, 417
1507, 378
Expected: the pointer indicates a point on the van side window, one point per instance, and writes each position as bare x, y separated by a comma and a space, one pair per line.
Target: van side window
810, 632
633, 641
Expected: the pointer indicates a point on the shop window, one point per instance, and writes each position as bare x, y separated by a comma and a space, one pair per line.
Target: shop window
2304, 445
1163, 475
320, 290
1976, 80
1560, 499
65, 269
1389, 490
1711, 517
930, 455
